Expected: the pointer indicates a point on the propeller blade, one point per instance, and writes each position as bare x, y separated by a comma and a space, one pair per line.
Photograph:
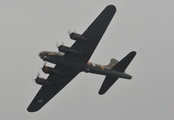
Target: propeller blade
62, 43
57, 45
38, 74
69, 32
44, 65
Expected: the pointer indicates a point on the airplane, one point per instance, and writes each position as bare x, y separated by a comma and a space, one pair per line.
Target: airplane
70, 61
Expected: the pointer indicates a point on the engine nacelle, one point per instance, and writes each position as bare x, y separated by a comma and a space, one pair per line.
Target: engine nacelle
66, 49
42, 81
78, 37
45, 58
50, 70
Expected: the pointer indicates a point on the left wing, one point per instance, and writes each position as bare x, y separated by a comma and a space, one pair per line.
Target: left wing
47, 92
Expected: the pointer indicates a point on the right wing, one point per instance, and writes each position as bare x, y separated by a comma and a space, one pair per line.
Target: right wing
124, 63
47, 92
93, 34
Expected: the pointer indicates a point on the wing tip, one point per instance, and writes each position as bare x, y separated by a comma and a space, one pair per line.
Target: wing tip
111, 8
101, 93
30, 109
133, 52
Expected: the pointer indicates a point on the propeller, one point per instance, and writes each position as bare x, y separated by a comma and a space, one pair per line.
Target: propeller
44, 65
34, 80
38, 74
57, 45
69, 32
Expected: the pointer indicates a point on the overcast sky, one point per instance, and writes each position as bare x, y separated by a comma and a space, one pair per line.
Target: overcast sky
146, 26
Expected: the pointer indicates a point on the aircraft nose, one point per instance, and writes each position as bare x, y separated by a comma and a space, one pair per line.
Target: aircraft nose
41, 54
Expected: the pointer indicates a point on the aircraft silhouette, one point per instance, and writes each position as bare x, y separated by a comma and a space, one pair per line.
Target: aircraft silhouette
70, 61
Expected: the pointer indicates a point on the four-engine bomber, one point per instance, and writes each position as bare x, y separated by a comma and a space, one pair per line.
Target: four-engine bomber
70, 61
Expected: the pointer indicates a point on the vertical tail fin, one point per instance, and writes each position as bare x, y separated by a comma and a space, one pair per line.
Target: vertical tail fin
112, 63
120, 66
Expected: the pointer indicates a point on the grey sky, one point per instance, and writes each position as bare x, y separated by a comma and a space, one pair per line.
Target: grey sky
28, 27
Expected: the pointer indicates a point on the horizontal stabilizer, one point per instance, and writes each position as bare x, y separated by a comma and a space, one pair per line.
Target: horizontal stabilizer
108, 82
120, 68
122, 65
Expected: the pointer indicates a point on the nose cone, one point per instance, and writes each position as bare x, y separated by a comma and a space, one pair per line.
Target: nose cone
41, 55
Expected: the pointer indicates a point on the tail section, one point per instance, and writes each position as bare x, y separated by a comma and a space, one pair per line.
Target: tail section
120, 67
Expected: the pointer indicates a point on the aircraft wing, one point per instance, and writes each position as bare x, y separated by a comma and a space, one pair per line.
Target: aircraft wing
47, 92
93, 34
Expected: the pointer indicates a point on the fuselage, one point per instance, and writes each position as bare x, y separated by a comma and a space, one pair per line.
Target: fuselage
57, 58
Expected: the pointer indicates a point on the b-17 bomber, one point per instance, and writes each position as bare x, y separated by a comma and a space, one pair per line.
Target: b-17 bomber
70, 61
